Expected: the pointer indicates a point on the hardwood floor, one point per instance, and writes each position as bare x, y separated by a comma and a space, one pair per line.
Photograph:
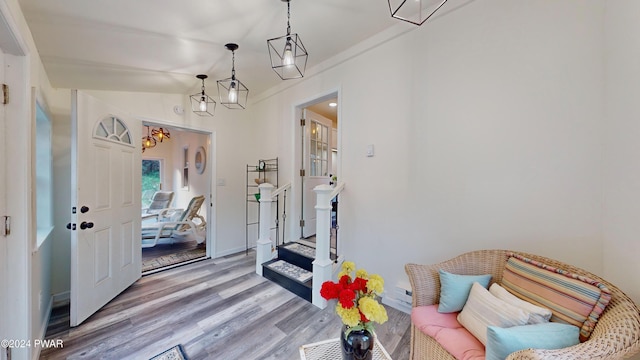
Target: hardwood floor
217, 309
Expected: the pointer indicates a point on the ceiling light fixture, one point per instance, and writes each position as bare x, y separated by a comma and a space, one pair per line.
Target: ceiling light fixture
148, 141
333, 104
201, 103
414, 11
233, 93
160, 134
288, 54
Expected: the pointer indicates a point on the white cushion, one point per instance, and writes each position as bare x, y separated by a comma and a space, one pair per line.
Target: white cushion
483, 309
538, 315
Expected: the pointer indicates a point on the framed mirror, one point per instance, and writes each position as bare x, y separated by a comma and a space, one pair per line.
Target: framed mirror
200, 160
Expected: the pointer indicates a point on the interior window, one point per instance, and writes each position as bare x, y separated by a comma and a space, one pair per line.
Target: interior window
44, 178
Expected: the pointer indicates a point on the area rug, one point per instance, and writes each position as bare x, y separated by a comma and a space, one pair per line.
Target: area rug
175, 353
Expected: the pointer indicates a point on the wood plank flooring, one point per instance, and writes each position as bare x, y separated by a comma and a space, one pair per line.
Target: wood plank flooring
217, 309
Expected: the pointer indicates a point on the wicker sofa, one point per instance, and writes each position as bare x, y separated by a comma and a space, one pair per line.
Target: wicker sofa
616, 335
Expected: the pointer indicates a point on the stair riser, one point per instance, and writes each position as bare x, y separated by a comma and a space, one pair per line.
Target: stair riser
289, 284
295, 258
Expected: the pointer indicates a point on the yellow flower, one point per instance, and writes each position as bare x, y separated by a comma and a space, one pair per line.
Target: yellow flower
347, 268
372, 310
362, 273
350, 317
376, 284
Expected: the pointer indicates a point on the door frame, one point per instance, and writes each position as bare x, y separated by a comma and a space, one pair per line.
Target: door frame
210, 169
295, 230
16, 295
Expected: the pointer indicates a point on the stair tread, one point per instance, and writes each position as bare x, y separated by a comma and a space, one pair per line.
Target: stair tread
304, 250
290, 270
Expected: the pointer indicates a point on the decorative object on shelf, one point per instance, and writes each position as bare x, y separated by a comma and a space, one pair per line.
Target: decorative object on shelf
233, 94
200, 160
333, 180
260, 181
358, 307
148, 141
201, 103
261, 165
160, 134
415, 12
288, 54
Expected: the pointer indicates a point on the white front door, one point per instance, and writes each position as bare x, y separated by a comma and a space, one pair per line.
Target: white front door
106, 242
317, 165
3, 211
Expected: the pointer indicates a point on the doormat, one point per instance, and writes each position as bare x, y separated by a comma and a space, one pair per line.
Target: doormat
172, 259
175, 353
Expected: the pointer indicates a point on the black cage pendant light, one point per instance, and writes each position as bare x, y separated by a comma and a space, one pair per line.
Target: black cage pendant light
414, 11
287, 53
201, 103
233, 93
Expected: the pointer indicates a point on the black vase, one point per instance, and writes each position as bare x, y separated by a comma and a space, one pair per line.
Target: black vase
358, 345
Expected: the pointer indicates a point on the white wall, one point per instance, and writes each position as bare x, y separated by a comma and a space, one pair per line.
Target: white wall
486, 125
622, 146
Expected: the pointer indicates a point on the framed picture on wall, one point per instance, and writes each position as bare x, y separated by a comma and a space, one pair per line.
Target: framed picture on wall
200, 160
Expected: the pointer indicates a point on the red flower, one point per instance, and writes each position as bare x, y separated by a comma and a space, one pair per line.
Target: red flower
359, 284
346, 298
330, 290
345, 280
363, 318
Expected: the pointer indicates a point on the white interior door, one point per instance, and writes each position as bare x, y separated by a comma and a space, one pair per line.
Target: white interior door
317, 165
106, 244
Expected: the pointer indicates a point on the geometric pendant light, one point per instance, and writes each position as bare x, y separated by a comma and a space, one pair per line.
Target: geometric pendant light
201, 103
233, 94
148, 141
160, 134
288, 54
414, 11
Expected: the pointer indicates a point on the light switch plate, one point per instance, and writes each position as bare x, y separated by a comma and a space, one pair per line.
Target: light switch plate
370, 151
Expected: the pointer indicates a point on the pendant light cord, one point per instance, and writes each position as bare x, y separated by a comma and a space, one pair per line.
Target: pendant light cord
288, 17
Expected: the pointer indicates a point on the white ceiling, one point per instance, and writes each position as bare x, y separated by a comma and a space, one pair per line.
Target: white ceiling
160, 45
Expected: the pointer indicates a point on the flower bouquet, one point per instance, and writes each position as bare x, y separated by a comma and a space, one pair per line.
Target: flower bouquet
357, 303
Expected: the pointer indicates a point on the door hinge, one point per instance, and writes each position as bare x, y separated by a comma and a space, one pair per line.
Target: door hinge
302, 223
5, 94
303, 122
73, 210
6, 220
302, 172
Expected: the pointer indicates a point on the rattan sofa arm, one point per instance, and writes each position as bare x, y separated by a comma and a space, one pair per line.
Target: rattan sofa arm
425, 284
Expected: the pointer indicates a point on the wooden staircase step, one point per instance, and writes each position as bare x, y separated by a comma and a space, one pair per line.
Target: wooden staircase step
289, 276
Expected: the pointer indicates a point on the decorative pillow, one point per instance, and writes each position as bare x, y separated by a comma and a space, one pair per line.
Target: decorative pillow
538, 315
483, 309
454, 289
502, 342
573, 299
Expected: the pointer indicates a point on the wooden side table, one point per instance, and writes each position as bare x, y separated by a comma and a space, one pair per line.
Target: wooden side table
330, 350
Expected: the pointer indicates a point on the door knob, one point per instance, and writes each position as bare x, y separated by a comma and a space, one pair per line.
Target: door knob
86, 225
84, 209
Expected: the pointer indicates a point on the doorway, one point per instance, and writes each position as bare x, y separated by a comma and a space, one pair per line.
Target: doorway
175, 171
318, 152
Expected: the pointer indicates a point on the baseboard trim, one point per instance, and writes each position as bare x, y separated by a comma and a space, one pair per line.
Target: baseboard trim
228, 252
397, 304
35, 355
61, 299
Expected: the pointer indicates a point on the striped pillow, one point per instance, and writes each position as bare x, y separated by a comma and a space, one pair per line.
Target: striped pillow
573, 299
483, 309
